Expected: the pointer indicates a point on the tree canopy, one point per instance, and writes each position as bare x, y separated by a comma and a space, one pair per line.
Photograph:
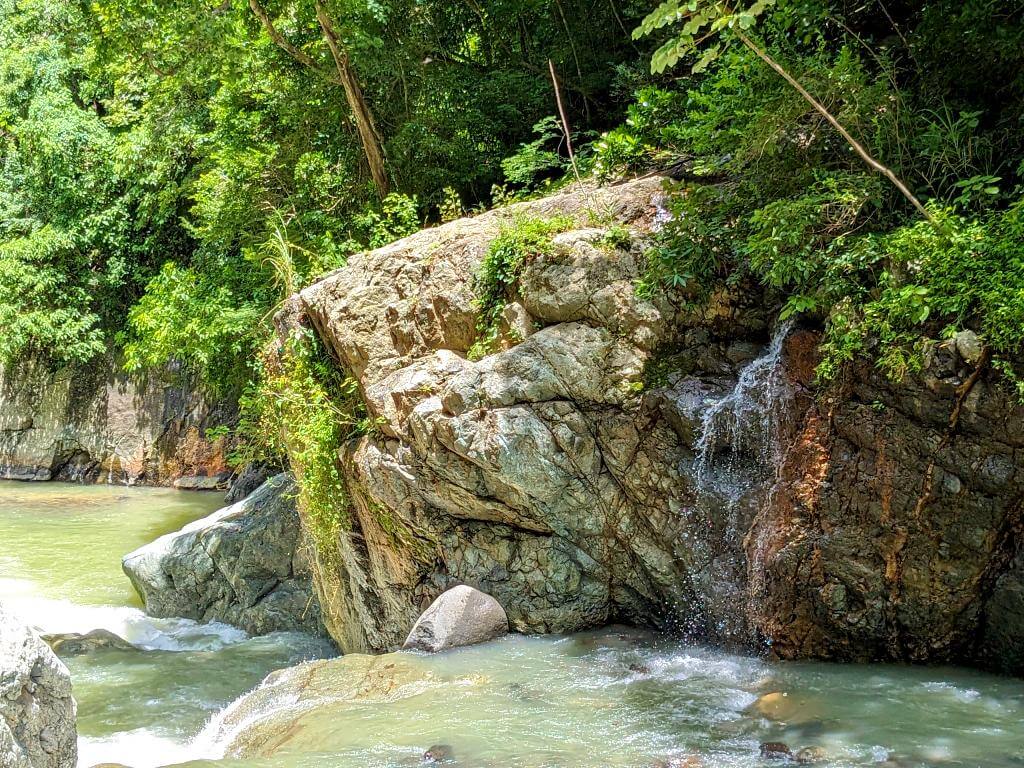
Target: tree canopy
170, 168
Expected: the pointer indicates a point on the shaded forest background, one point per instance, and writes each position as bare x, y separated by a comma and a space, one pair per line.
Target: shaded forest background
170, 169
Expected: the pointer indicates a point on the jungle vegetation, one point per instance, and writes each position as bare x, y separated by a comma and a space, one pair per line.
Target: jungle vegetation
170, 169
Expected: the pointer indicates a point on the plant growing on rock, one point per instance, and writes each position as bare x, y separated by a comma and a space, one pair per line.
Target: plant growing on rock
517, 243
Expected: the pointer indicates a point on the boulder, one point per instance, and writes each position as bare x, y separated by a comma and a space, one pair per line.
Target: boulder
252, 476
775, 750
37, 711
245, 565
460, 616
76, 644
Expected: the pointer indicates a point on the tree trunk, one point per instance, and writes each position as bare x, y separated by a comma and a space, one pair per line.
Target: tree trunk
365, 124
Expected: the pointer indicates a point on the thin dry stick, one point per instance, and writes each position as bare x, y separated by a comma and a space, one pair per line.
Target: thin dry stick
857, 147
565, 123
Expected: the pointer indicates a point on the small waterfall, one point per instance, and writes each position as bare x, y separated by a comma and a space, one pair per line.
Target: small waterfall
745, 426
739, 456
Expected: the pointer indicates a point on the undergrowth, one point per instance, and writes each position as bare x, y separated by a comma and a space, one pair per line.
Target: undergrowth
772, 193
518, 242
306, 409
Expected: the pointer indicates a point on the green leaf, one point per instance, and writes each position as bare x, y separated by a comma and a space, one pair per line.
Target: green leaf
704, 61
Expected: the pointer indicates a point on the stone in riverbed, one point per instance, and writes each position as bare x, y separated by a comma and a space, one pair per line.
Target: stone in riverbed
460, 616
37, 712
245, 565
439, 753
776, 750
809, 755
76, 644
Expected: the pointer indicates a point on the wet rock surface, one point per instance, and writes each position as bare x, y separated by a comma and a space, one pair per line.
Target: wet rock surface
460, 616
246, 565
897, 523
37, 711
78, 644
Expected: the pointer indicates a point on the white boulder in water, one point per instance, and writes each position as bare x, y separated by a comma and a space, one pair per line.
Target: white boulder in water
460, 616
37, 712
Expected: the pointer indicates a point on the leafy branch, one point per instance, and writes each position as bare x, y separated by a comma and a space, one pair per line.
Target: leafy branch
706, 21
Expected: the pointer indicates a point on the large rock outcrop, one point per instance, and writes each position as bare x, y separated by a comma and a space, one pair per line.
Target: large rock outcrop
895, 528
245, 565
37, 711
616, 459
94, 423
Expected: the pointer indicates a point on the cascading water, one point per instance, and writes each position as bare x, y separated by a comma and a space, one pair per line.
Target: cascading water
738, 458
746, 424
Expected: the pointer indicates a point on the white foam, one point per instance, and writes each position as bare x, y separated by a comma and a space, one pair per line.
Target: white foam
141, 748
49, 617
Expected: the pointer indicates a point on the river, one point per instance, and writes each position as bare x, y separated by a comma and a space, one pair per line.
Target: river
608, 698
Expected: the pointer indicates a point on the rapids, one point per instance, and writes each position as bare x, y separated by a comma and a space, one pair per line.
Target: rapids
607, 698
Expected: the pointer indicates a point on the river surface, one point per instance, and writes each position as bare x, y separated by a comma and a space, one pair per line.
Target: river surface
608, 698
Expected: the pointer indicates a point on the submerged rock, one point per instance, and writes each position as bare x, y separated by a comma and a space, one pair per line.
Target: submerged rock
775, 750
460, 616
75, 644
439, 753
809, 755
37, 711
687, 761
245, 565
291, 709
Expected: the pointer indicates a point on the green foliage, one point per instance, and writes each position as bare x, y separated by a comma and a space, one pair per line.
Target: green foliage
304, 410
40, 312
133, 134
396, 217
451, 205
84, 210
653, 126
793, 207
182, 317
695, 244
537, 157
496, 283
701, 20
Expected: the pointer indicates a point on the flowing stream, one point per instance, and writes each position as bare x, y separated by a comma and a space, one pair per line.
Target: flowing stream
608, 698
60, 571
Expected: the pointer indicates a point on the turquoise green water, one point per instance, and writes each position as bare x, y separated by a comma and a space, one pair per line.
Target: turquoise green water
60, 570
605, 699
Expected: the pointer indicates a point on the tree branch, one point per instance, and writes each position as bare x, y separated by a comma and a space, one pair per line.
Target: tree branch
820, 108
282, 42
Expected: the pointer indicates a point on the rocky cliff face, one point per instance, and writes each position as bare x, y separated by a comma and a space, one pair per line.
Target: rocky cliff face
95, 424
624, 459
897, 522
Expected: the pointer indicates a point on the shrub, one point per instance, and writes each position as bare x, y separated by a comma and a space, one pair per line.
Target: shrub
496, 281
